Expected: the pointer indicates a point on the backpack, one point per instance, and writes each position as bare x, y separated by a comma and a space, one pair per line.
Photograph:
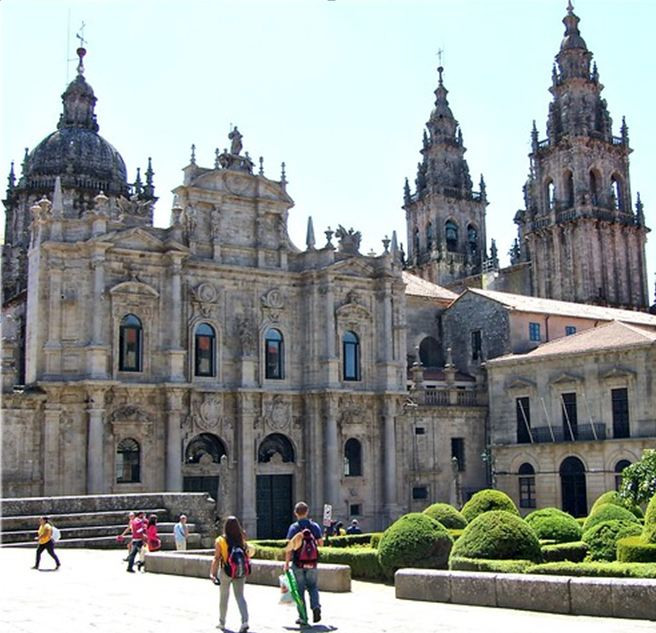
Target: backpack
56, 534
238, 565
308, 554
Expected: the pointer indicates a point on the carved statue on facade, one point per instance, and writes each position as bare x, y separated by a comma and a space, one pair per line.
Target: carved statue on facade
349, 241
235, 137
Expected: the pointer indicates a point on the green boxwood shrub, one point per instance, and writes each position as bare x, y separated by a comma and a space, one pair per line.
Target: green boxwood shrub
649, 532
608, 512
348, 540
374, 542
460, 563
447, 515
574, 552
455, 534
612, 496
486, 500
500, 535
554, 524
264, 552
633, 549
414, 540
602, 538
269, 542
363, 561
600, 569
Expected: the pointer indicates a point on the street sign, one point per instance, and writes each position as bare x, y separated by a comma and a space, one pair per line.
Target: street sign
327, 514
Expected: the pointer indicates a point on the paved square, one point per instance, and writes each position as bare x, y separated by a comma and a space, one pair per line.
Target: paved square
92, 592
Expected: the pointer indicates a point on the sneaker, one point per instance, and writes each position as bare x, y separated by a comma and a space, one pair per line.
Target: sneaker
34, 567
220, 626
131, 571
301, 622
316, 614
243, 628
125, 560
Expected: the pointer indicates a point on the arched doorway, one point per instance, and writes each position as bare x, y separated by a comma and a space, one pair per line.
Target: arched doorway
573, 487
202, 464
275, 478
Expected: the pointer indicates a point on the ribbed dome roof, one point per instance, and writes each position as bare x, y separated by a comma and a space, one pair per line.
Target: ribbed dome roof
75, 151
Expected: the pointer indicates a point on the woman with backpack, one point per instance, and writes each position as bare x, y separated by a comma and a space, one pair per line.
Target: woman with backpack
231, 561
46, 542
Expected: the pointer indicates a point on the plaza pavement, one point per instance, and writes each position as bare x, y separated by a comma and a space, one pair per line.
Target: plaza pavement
92, 592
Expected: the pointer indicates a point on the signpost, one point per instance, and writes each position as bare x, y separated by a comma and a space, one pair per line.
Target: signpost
327, 514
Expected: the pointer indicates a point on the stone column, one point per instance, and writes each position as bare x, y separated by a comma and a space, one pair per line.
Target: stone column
389, 477
95, 444
52, 484
246, 461
331, 364
173, 441
333, 468
52, 347
176, 353
97, 350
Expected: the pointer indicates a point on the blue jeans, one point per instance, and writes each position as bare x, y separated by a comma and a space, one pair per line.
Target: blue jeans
307, 579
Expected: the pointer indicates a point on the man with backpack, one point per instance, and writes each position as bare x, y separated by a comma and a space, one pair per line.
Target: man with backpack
304, 539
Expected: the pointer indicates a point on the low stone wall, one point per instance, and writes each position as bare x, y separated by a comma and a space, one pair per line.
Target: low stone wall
336, 578
607, 597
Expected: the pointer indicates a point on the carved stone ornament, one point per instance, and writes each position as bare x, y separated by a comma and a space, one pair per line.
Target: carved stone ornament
245, 327
273, 302
205, 296
350, 411
277, 413
210, 412
129, 413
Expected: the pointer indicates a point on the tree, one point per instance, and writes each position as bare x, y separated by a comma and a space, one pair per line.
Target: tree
639, 479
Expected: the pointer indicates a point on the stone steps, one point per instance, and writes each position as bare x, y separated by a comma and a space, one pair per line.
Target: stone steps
109, 542
114, 517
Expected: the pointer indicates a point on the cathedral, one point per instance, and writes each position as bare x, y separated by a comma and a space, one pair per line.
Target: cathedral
215, 355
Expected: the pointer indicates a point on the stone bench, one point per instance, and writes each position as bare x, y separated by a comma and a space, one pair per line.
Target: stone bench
607, 597
335, 578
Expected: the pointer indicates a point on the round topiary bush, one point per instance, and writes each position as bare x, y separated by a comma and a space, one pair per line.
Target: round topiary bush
633, 549
415, 540
649, 532
608, 512
498, 534
554, 524
447, 515
612, 496
486, 500
602, 538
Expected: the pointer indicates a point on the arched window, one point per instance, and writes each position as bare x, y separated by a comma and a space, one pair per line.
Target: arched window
550, 194
451, 235
353, 458
273, 444
205, 444
568, 182
351, 356
128, 461
130, 344
526, 486
274, 354
430, 353
619, 467
616, 188
573, 487
472, 239
205, 350
594, 187
429, 236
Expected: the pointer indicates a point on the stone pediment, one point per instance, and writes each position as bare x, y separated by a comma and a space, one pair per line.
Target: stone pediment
618, 372
236, 183
520, 384
354, 266
139, 239
565, 378
353, 311
134, 287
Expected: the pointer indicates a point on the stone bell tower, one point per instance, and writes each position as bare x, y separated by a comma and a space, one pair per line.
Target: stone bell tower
579, 231
445, 219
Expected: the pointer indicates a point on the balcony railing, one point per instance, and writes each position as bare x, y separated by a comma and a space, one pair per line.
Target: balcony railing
448, 397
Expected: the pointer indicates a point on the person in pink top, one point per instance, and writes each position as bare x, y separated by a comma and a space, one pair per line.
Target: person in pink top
152, 541
138, 535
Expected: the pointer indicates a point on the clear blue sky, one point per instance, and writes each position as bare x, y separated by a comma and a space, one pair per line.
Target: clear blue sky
339, 90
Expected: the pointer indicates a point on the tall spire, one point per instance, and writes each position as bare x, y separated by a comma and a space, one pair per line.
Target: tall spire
309, 237
79, 101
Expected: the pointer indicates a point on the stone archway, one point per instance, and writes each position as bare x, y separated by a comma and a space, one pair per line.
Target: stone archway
202, 464
573, 487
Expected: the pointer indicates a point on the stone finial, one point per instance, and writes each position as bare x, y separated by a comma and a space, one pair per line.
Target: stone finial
329, 236
138, 185
309, 236
640, 211
283, 175
483, 188
101, 203
149, 189
11, 179
261, 170
395, 244
192, 160
386, 243
407, 198
217, 153
624, 131
24, 163
449, 357
57, 199
534, 137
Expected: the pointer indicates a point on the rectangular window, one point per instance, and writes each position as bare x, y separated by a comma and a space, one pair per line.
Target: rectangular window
420, 430
420, 492
534, 332
355, 510
620, 398
570, 418
527, 492
569, 330
476, 344
523, 415
458, 451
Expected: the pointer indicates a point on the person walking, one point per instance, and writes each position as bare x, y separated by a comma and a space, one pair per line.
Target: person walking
303, 540
354, 528
181, 533
125, 532
230, 567
138, 535
45, 542
152, 541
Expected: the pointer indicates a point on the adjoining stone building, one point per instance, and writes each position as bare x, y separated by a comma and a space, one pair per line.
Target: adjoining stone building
569, 416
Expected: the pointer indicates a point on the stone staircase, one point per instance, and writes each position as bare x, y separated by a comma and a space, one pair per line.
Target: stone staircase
95, 521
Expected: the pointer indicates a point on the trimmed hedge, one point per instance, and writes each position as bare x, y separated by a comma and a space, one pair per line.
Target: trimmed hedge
498, 535
348, 540
485, 501
375, 540
600, 570
574, 552
363, 561
447, 515
554, 524
612, 496
602, 538
632, 549
649, 532
264, 552
270, 542
460, 563
414, 540
608, 512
